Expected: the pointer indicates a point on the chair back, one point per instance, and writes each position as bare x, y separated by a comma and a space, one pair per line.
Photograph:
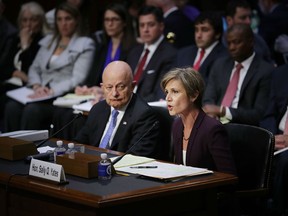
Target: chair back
165, 148
252, 148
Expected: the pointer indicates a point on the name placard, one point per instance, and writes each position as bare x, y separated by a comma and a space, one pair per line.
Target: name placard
49, 171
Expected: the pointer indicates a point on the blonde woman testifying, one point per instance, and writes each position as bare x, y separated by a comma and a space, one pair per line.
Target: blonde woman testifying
61, 64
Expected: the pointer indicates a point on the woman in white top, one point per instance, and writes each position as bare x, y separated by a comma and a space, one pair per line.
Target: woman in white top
61, 64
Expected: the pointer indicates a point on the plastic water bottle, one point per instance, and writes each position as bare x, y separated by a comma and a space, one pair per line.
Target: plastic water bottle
71, 150
59, 150
104, 168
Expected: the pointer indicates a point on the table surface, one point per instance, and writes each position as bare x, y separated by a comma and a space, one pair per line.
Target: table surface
119, 190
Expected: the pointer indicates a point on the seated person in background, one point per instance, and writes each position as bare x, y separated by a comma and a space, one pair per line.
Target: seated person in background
188, 9
117, 41
152, 59
178, 28
242, 98
198, 140
129, 115
24, 47
276, 121
240, 11
84, 9
208, 31
32, 27
60, 65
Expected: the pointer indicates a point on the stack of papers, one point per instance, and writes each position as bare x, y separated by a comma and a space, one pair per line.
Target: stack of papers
151, 168
21, 95
71, 99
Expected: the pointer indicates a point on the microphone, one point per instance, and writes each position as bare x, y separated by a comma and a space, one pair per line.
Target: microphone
136, 143
79, 114
48, 155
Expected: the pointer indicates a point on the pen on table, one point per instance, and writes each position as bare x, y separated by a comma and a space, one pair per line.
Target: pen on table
143, 167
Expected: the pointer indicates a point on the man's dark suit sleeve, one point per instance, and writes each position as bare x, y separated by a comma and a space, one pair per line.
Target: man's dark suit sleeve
148, 144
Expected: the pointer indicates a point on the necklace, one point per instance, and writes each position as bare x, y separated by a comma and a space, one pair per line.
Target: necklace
185, 138
62, 46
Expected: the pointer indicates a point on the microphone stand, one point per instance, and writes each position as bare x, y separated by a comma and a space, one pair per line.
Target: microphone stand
61, 129
132, 147
47, 155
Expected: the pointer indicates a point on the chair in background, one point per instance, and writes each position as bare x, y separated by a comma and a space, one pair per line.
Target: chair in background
252, 148
165, 148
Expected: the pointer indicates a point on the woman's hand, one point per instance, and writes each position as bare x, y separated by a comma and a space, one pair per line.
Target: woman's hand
40, 92
21, 75
25, 38
82, 90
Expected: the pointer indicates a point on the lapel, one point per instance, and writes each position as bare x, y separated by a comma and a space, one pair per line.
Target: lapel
103, 119
126, 121
252, 71
65, 57
194, 131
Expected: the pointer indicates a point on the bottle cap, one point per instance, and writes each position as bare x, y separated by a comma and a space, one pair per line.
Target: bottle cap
103, 156
59, 143
70, 145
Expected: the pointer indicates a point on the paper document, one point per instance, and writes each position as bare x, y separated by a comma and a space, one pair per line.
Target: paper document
161, 103
165, 171
129, 160
21, 95
83, 106
281, 150
70, 99
15, 81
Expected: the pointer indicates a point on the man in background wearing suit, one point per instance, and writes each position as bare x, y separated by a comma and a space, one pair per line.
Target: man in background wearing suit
179, 30
134, 116
239, 85
157, 52
208, 31
239, 11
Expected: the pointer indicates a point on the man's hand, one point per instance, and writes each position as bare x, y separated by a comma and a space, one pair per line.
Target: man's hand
281, 141
212, 110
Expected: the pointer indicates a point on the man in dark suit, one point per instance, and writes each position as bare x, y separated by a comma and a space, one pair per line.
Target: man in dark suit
208, 31
160, 56
178, 28
134, 118
239, 11
250, 90
275, 120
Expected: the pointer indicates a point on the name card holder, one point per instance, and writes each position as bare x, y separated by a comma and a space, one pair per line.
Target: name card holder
51, 172
79, 164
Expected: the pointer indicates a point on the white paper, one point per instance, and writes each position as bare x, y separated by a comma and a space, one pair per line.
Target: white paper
281, 150
15, 81
129, 160
21, 95
165, 170
71, 99
83, 106
161, 103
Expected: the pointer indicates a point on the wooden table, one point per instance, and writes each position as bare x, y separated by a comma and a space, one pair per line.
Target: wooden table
125, 195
